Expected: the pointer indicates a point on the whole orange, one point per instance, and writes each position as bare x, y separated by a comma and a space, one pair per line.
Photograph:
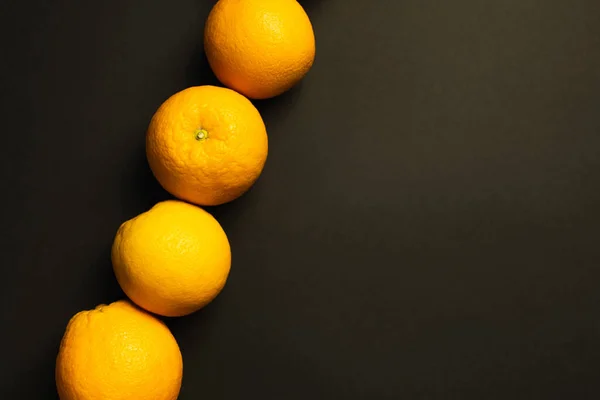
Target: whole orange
172, 259
207, 145
118, 352
261, 48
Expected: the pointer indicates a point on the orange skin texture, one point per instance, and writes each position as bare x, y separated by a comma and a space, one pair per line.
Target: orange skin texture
118, 352
207, 145
260, 48
173, 259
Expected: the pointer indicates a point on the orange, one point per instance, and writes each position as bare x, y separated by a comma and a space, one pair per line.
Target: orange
260, 48
173, 259
207, 145
118, 352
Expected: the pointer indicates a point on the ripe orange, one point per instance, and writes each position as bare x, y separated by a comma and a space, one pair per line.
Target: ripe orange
260, 48
173, 259
118, 352
207, 145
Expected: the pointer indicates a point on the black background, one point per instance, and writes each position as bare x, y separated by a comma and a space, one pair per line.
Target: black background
425, 227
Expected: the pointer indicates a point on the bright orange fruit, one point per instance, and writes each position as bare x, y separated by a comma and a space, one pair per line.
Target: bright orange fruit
118, 352
172, 259
207, 145
260, 48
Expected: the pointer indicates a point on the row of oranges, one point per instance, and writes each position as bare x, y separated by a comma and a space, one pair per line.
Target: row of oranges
206, 145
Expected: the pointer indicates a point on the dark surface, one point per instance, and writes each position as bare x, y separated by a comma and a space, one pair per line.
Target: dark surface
426, 226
